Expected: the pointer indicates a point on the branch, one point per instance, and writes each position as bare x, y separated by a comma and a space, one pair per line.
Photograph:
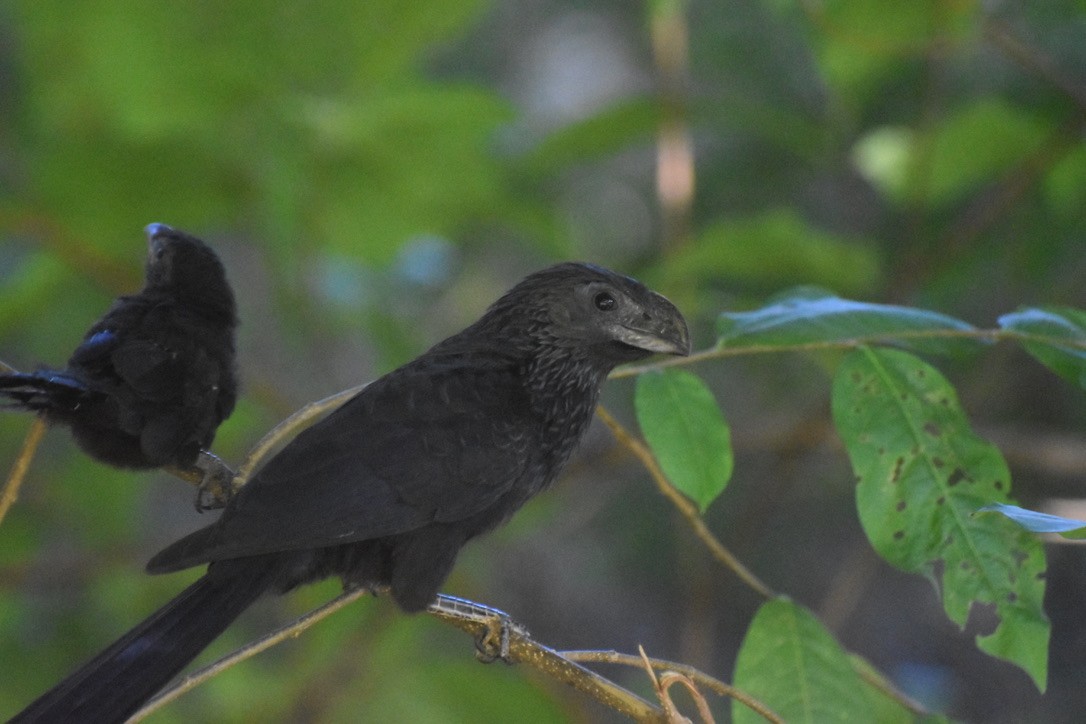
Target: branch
697, 676
22, 463
722, 351
291, 630
687, 509
496, 636
516, 646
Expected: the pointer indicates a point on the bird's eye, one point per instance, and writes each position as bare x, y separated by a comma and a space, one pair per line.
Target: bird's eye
604, 301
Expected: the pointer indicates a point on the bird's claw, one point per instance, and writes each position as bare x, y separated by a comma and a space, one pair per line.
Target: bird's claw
492, 643
215, 487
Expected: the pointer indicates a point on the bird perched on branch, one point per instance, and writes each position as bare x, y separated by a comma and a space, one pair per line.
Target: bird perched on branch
387, 489
152, 379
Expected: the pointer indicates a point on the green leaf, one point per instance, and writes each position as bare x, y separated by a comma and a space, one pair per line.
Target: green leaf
886, 709
865, 45
1060, 324
921, 473
608, 132
806, 315
776, 248
1036, 522
686, 431
792, 664
977, 143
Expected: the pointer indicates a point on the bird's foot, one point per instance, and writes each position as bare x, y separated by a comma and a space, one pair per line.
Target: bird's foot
493, 642
215, 486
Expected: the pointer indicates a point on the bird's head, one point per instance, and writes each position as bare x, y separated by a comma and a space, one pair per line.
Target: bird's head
187, 267
610, 317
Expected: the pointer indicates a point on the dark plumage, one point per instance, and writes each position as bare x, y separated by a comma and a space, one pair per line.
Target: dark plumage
154, 377
389, 487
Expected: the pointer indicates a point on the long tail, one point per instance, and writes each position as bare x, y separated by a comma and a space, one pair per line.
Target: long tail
42, 391
115, 683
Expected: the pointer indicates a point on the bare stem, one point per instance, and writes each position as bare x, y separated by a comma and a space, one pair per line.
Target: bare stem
22, 463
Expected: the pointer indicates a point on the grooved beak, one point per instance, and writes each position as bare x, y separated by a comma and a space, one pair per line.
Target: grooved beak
664, 330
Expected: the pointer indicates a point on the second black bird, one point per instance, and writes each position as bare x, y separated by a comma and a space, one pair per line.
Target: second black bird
155, 376
389, 487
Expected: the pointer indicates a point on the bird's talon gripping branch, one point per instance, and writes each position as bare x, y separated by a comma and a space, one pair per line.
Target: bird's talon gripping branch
216, 482
492, 643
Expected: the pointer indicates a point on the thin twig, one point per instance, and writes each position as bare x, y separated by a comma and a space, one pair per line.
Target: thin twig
291, 630
683, 504
22, 464
697, 676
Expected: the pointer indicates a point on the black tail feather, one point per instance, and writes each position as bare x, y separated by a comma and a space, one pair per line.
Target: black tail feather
118, 681
42, 391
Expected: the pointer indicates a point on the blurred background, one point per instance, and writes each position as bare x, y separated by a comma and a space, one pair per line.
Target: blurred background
374, 174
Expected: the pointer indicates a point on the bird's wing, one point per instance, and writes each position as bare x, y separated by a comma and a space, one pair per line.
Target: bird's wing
422, 444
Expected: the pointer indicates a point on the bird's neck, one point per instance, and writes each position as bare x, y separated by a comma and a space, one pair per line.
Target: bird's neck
564, 386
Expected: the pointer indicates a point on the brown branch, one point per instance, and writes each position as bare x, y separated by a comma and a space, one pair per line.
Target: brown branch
493, 630
291, 630
517, 646
688, 510
22, 463
697, 676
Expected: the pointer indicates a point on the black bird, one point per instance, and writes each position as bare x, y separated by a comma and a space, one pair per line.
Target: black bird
389, 487
153, 378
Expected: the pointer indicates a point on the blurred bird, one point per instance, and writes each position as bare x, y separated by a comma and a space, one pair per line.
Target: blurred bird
152, 379
387, 489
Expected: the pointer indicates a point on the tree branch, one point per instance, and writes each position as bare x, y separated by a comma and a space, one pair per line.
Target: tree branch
702, 679
496, 634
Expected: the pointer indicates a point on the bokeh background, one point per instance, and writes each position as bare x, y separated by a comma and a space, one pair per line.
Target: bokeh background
374, 174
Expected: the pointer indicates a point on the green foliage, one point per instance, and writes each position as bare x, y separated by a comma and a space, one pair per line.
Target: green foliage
791, 663
921, 472
1062, 338
737, 249
687, 432
814, 316
925, 153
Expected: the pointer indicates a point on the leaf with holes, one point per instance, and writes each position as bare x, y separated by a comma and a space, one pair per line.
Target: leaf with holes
921, 473
1059, 338
687, 432
792, 664
810, 315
